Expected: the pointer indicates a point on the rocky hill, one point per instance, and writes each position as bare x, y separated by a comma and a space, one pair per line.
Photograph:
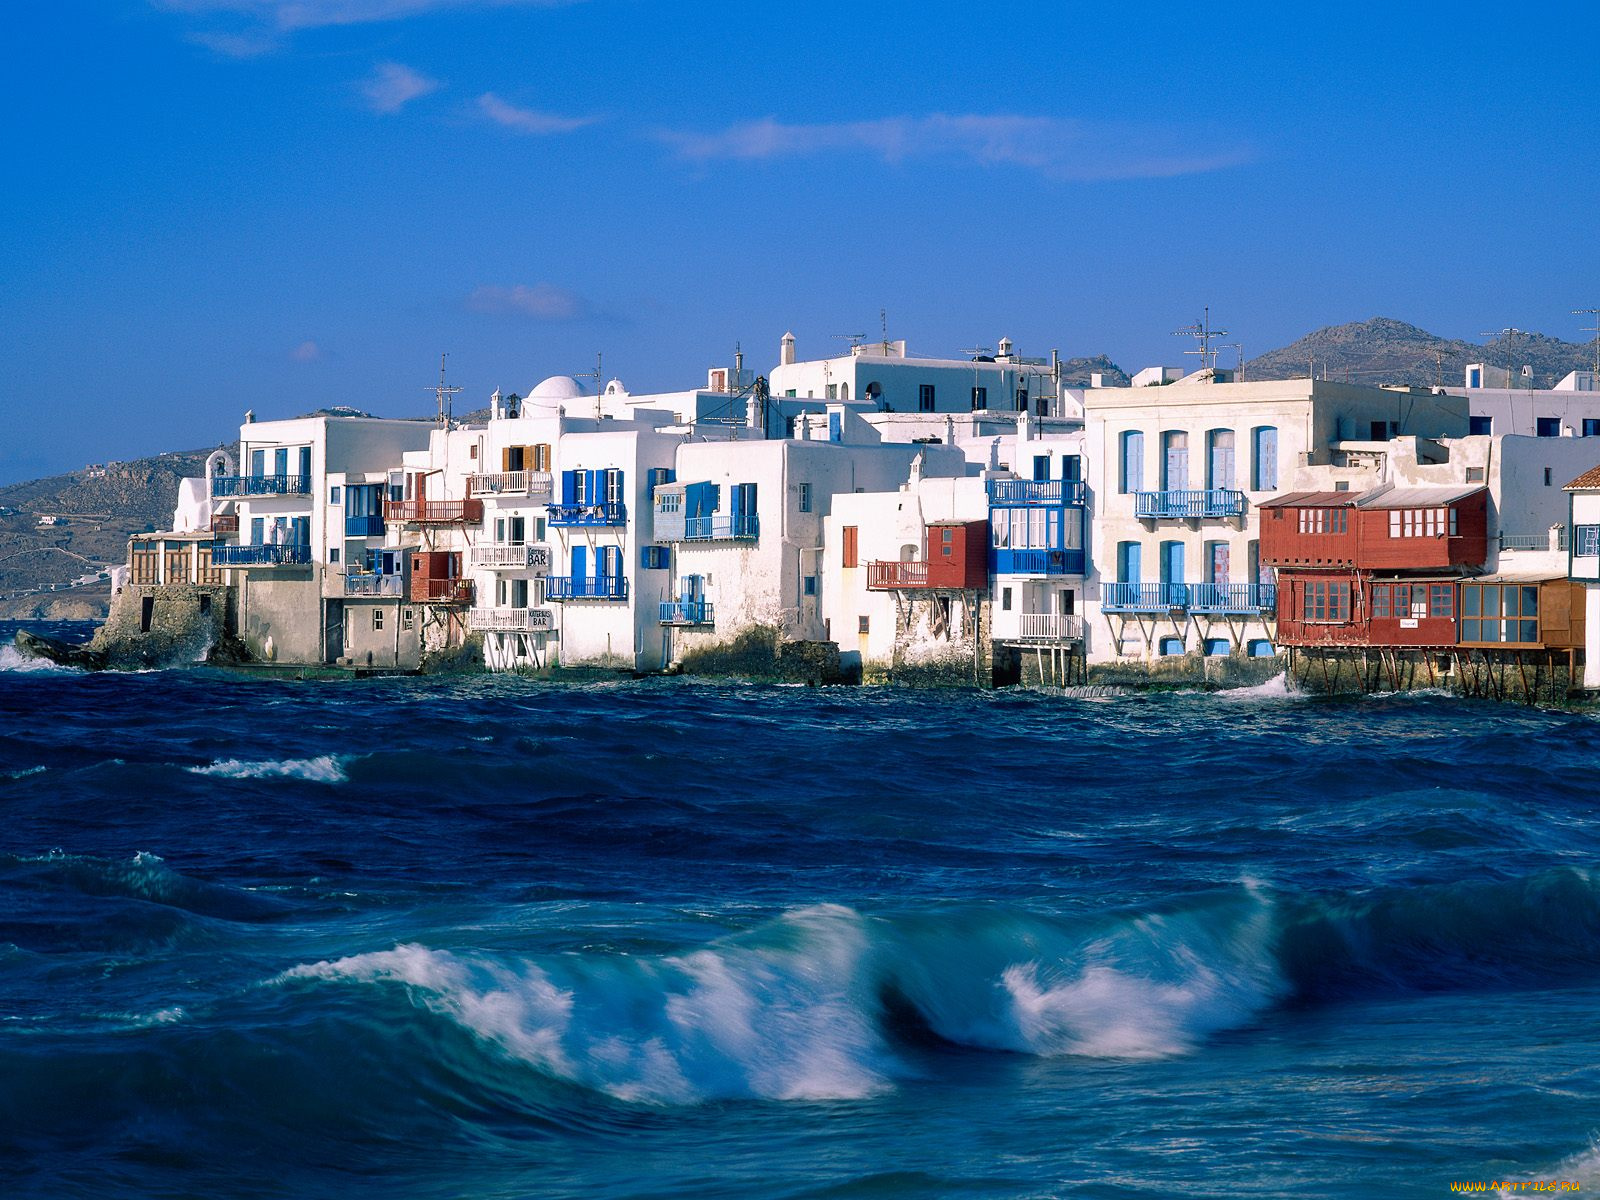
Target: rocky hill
1384, 350
58, 536
1075, 372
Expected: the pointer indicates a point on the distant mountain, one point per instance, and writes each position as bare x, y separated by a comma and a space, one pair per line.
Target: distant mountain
58, 535
1075, 372
1384, 350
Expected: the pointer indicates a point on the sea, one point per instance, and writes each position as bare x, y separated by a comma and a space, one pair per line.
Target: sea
493, 937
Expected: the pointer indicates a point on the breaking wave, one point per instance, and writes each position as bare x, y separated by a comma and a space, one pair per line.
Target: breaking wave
325, 768
826, 1003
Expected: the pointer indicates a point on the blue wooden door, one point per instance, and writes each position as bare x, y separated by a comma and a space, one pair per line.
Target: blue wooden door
1220, 469
1128, 562
1175, 470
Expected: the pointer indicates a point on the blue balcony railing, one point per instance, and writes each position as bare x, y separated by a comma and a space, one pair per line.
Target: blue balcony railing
1037, 562
687, 612
1233, 597
1218, 502
722, 527
1143, 597
586, 587
367, 526
261, 485
599, 513
1044, 493
259, 556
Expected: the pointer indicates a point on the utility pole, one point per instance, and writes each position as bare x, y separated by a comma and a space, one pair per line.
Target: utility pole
443, 394
598, 378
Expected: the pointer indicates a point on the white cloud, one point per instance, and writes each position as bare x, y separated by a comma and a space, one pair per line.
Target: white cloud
306, 352
541, 302
289, 15
236, 45
1058, 147
392, 86
528, 120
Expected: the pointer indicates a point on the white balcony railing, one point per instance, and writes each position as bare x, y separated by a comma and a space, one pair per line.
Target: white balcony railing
1046, 628
511, 620
507, 557
537, 486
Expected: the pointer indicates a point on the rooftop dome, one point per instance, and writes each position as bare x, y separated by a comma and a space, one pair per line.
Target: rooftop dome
557, 387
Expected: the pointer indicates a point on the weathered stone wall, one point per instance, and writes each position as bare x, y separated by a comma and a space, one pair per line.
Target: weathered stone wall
281, 617
185, 622
393, 647
1186, 671
760, 652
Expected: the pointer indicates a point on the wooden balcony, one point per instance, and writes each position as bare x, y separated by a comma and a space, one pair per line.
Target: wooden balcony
536, 486
433, 512
511, 620
441, 591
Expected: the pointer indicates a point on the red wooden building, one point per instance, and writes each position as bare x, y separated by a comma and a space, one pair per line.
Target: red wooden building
955, 557
1377, 568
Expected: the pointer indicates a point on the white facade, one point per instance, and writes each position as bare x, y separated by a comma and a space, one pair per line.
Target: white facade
1174, 475
1569, 409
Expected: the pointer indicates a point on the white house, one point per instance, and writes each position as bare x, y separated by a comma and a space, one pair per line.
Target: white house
1174, 475
1584, 564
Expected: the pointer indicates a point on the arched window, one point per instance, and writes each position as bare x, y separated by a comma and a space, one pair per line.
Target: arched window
1264, 470
1174, 461
1219, 460
1132, 479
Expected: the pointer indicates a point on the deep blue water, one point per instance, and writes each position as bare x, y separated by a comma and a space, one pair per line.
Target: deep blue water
488, 937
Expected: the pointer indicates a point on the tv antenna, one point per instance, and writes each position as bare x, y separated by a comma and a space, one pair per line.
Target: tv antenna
1594, 315
1505, 335
883, 325
855, 339
1238, 375
443, 394
598, 381
1202, 332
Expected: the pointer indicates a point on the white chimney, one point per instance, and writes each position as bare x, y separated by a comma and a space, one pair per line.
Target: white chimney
786, 350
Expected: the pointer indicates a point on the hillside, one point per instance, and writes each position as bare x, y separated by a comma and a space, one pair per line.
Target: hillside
55, 569
1384, 350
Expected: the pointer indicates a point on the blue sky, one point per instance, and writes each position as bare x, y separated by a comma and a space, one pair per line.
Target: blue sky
218, 205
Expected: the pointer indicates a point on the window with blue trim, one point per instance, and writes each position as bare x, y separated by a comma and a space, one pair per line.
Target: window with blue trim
1171, 645
1217, 647
654, 558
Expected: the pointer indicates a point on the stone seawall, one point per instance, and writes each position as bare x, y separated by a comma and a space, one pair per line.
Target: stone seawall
168, 625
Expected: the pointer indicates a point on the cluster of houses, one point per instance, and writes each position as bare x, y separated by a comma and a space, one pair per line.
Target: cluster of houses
975, 518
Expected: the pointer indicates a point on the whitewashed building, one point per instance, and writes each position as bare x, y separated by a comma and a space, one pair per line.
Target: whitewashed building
1584, 564
1174, 474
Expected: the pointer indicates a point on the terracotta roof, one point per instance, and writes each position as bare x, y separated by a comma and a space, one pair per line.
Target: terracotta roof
1589, 479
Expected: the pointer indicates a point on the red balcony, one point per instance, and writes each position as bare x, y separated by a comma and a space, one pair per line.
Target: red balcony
433, 512
440, 591
884, 576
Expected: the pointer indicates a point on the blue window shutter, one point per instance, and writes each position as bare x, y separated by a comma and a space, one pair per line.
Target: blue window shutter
1041, 468
835, 433
569, 487
305, 460
258, 463
580, 561
257, 530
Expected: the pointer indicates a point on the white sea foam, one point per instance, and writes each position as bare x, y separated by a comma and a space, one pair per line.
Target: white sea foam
22, 774
326, 768
12, 659
777, 1021
1276, 688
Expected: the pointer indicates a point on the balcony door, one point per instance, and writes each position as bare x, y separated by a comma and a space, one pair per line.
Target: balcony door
1128, 566
1171, 562
1219, 468
1219, 562
1175, 461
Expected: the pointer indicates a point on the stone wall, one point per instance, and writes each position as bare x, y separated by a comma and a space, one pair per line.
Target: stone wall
166, 625
280, 617
1186, 671
760, 652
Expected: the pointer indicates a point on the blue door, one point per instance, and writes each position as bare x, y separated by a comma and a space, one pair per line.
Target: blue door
1132, 462
580, 568
1172, 571
1128, 562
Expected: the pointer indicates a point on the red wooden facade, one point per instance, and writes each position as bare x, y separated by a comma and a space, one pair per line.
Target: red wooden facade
1388, 529
1347, 608
436, 578
955, 556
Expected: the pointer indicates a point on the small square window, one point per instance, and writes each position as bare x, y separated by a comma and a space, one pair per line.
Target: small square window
811, 585
333, 495
805, 497
377, 618
333, 554
1549, 477
1005, 599
408, 618
863, 625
